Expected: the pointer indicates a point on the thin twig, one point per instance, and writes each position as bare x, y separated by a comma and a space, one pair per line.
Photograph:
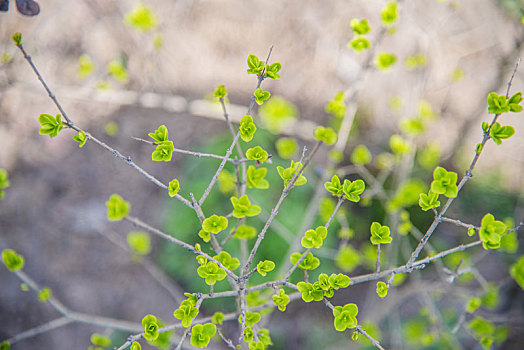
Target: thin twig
468, 175
274, 212
70, 124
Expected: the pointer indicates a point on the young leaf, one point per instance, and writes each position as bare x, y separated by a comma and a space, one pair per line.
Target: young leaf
247, 128
256, 178
499, 133
272, 71
117, 208
255, 65
345, 316
139, 242
261, 96
382, 289
160, 134
220, 91
163, 152
428, 201
174, 187
360, 27
334, 186
150, 324
380, 234
50, 125
12, 260
359, 44
353, 190
243, 207
215, 224
202, 334
81, 138
258, 154
326, 135
264, 267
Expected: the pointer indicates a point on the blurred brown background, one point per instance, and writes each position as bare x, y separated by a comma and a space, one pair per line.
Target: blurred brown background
54, 209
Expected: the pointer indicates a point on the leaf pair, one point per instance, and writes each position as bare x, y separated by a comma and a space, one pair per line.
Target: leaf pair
164, 149
257, 66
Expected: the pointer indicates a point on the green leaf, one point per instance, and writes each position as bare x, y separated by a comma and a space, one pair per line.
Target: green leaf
135, 346
314, 238
498, 132
345, 317
226, 260
336, 106
491, 231
382, 289
264, 267
326, 135
12, 260
160, 134
485, 126
186, 312
202, 334
361, 155
310, 292
245, 232
217, 318
517, 271
118, 70
50, 125
258, 154
353, 189
287, 174
281, 300
444, 182
347, 258
247, 128
360, 27
256, 178
215, 224
4, 181
117, 208
380, 234
211, 273
473, 304
250, 319
81, 138
139, 242
243, 207
174, 187
163, 152
389, 13
428, 201
17, 38
220, 91
206, 236
385, 60
100, 340
359, 44
514, 102
261, 96
255, 65
399, 146
286, 147
85, 66
277, 113
272, 71
141, 18
310, 262
150, 324
334, 186
497, 104
339, 281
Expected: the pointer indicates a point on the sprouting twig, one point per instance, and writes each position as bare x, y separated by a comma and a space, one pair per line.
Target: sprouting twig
274, 212
70, 124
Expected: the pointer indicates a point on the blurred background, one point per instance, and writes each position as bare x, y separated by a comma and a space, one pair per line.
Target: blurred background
119, 80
